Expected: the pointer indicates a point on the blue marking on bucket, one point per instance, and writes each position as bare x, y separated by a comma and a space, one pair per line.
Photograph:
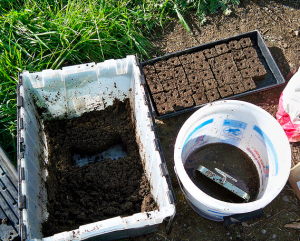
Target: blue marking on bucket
235, 123
200, 138
270, 144
232, 131
267, 171
196, 129
205, 215
212, 211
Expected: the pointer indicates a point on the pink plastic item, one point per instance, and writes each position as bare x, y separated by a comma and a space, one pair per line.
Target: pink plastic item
288, 114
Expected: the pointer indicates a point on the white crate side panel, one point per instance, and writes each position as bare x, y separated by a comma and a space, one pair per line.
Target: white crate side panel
30, 118
157, 183
32, 179
30, 124
106, 226
49, 85
73, 90
28, 114
33, 186
32, 133
33, 234
112, 85
32, 216
82, 91
35, 136
153, 158
141, 113
142, 120
37, 197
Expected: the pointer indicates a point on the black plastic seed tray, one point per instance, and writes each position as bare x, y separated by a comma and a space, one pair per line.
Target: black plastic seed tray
9, 218
272, 79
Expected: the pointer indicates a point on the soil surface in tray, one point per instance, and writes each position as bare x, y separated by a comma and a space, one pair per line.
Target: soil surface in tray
203, 76
99, 190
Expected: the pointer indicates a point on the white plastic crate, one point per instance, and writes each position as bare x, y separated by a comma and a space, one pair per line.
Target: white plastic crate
68, 93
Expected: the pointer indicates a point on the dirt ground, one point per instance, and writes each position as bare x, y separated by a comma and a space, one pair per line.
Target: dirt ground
279, 23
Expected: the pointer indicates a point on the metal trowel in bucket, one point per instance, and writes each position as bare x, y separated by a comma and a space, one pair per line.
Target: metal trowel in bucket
222, 181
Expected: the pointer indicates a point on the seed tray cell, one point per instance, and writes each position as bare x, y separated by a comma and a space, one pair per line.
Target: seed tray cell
199, 99
245, 58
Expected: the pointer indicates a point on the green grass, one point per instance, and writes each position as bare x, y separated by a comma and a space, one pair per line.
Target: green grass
43, 34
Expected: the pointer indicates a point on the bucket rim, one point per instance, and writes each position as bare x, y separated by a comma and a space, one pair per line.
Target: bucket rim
209, 201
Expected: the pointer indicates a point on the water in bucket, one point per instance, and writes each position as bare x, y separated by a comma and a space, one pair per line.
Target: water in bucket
224, 160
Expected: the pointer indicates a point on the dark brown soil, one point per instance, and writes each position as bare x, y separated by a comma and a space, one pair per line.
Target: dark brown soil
99, 190
224, 64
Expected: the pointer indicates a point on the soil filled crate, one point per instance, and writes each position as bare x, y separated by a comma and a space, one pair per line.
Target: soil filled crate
225, 69
89, 160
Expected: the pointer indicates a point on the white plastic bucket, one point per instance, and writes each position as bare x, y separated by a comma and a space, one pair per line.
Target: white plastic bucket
247, 127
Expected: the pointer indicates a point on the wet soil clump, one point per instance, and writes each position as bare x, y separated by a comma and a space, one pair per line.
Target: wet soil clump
99, 190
